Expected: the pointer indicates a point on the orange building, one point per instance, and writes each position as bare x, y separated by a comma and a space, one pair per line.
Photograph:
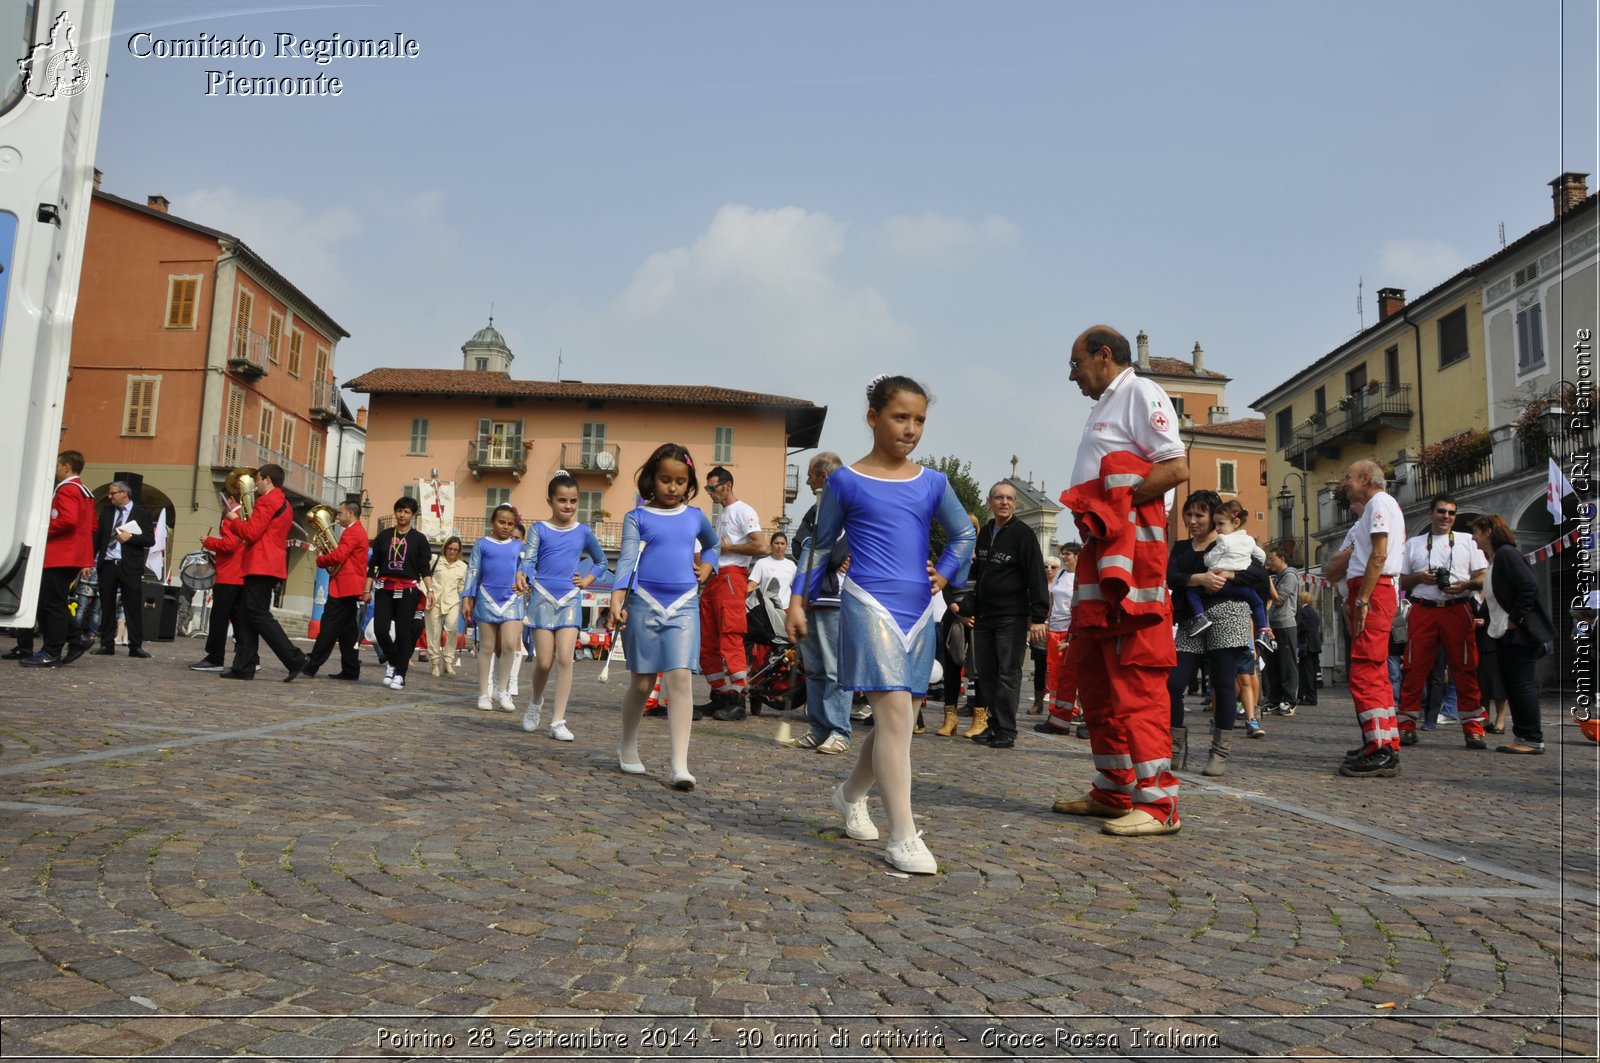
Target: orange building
190, 356
1227, 456
486, 438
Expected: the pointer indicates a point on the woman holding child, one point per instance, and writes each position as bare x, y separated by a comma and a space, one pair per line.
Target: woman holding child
1214, 624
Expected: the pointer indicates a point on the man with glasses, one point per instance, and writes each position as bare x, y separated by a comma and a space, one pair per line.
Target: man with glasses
1441, 570
722, 616
122, 543
1009, 606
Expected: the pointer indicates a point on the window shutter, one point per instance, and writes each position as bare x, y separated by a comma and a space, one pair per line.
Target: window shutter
140, 415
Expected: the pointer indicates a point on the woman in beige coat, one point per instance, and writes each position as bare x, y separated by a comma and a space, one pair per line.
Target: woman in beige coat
444, 606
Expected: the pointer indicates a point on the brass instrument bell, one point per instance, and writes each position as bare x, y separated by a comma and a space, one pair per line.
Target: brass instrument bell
241, 486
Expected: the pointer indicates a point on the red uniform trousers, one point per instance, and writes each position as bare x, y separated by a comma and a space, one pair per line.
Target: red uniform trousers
1130, 729
1061, 678
1369, 669
722, 630
1447, 629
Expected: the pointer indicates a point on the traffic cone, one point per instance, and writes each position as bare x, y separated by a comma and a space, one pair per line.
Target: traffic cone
655, 700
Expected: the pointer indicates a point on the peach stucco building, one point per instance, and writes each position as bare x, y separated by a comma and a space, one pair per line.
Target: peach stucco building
487, 438
1226, 455
190, 356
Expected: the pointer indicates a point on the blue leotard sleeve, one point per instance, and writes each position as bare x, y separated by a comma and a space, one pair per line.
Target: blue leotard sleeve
960, 539
528, 562
710, 544
474, 572
595, 552
628, 556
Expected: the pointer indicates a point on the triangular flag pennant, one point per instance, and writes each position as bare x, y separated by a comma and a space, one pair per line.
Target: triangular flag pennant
1557, 489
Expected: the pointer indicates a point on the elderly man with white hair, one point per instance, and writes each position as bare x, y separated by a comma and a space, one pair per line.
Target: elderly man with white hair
1378, 544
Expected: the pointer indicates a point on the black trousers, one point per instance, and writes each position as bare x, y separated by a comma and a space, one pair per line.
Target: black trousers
1001, 645
397, 610
254, 624
1310, 672
55, 619
114, 579
1522, 690
338, 626
224, 610
1283, 670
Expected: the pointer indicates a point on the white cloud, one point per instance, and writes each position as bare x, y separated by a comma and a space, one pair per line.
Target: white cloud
939, 240
306, 246
758, 287
1418, 265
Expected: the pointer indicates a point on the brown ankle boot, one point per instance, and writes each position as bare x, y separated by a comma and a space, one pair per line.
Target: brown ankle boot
950, 719
980, 723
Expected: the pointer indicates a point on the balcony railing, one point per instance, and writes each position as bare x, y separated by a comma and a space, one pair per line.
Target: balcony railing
602, 458
325, 400
232, 451
1430, 484
247, 353
791, 483
1359, 416
497, 454
470, 529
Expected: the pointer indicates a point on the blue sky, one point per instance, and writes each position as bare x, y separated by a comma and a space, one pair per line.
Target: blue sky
795, 197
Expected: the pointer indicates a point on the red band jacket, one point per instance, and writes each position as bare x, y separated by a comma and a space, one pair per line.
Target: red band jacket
351, 556
69, 543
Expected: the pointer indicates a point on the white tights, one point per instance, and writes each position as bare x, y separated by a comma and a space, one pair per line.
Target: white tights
680, 715
553, 649
885, 758
497, 642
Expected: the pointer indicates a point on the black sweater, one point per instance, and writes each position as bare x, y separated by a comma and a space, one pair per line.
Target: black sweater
1008, 575
1186, 561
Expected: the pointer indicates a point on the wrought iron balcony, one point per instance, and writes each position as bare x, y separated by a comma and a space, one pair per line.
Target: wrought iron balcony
497, 454
1357, 418
247, 354
325, 400
235, 451
603, 459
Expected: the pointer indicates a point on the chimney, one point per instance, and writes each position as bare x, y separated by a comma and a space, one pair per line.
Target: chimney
1144, 350
1390, 300
1569, 191
1199, 358
1217, 414
97, 176
157, 203
361, 417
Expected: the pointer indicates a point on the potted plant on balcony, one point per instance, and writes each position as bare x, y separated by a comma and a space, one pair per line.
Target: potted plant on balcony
1457, 456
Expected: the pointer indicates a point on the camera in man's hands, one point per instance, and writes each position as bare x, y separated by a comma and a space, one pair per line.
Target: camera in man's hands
1441, 578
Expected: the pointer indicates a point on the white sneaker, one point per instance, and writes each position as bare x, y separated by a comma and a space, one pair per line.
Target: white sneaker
912, 856
388, 675
399, 683
503, 700
559, 732
530, 718
485, 702
857, 820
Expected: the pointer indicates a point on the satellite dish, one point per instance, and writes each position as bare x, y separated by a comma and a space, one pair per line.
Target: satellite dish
604, 461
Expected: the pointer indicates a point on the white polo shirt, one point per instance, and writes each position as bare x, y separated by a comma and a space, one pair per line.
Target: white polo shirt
1382, 516
735, 526
1455, 551
1133, 415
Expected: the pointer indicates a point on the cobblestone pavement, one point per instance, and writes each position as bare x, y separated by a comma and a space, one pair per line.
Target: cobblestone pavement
327, 870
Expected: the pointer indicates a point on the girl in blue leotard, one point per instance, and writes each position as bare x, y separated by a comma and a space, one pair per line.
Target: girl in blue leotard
890, 602
656, 601
492, 600
552, 573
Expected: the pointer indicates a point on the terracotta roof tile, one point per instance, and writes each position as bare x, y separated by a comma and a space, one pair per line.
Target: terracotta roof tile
1182, 368
1248, 428
501, 385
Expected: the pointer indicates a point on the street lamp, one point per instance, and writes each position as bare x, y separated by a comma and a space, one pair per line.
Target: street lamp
1286, 503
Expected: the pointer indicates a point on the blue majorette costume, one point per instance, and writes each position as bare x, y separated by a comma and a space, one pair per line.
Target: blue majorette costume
492, 581
549, 561
888, 612
663, 628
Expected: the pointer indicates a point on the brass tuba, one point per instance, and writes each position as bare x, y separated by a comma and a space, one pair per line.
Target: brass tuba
241, 486
321, 518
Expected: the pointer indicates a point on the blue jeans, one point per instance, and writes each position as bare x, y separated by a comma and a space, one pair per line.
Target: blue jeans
827, 703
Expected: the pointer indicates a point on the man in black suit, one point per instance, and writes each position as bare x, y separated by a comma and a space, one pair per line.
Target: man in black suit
120, 553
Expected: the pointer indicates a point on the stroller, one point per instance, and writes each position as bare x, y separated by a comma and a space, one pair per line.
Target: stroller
777, 678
